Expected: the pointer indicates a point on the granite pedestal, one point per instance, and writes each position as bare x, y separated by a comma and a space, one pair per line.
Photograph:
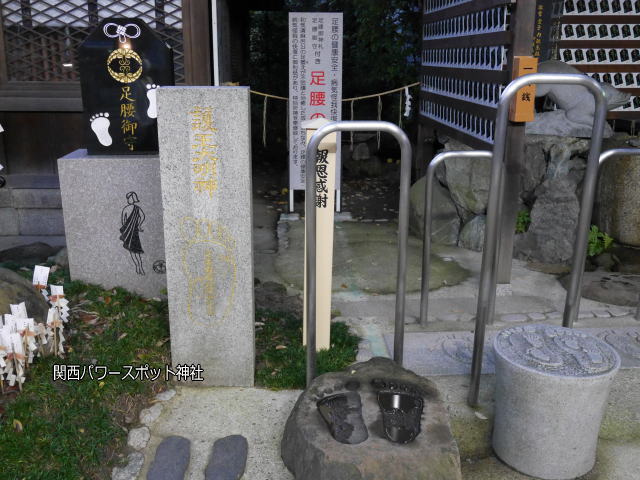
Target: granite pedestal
113, 220
552, 386
205, 165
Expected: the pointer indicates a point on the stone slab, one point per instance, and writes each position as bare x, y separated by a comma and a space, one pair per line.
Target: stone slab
205, 155
40, 221
450, 353
9, 221
94, 196
37, 198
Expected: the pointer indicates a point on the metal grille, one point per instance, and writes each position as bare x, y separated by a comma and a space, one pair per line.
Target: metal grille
42, 36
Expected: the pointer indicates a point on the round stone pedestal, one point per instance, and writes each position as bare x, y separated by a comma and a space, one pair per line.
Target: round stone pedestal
552, 385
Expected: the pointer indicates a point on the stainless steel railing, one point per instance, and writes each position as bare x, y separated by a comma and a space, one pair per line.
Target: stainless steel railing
310, 229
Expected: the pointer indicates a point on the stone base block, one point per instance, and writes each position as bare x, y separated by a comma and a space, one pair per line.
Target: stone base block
113, 221
552, 386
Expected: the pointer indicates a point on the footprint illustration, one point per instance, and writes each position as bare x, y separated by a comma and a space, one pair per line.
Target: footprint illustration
100, 126
209, 265
151, 95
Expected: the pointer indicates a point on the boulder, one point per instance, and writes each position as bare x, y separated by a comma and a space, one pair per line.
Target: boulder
359, 449
468, 179
472, 234
15, 289
32, 253
446, 222
618, 200
554, 218
609, 287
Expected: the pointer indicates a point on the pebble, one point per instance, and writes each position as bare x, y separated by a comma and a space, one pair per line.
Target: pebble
151, 414
138, 438
514, 318
166, 395
135, 461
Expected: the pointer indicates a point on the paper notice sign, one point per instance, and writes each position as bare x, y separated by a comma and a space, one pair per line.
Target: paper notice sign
19, 310
40, 275
57, 290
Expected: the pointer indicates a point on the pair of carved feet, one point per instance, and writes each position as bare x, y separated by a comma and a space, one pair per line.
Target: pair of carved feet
401, 407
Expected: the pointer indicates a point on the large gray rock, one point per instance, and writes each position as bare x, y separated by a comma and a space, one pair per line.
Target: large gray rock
468, 179
31, 253
472, 234
113, 220
15, 289
554, 217
311, 452
576, 105
205, 166
446, 222
609, 287
618, 200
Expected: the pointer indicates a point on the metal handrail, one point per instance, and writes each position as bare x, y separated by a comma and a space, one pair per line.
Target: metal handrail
572, 301
488, 273
310, 229
428, 217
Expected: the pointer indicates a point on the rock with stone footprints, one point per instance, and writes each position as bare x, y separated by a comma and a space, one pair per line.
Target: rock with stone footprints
310, 452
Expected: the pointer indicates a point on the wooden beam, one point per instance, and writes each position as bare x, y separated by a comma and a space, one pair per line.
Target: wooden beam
475, 74
467, 41
468, 7
467, 139
474, 108
197, 45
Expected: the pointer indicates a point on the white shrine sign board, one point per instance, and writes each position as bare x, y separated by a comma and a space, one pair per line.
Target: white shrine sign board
315, 84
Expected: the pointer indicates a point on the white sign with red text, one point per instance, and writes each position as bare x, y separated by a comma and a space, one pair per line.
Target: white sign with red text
315, 83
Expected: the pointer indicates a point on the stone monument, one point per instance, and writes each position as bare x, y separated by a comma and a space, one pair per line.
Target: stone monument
111, 201
552, 386
205, 167
122, 64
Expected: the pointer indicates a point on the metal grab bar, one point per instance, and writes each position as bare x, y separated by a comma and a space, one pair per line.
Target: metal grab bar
428, 217
572, 301
488, 273
310, 229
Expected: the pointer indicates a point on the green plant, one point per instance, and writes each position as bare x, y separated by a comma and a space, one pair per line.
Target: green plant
598, 241
523, 220
281, 358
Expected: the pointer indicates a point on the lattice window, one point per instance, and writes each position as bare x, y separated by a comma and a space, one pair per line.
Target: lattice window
42, 37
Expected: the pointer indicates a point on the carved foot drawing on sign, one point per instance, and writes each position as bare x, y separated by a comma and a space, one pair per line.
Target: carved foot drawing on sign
209, 265
151, 96
100, 125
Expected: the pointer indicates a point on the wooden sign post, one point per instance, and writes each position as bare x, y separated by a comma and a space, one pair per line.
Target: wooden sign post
325, 202
522, 108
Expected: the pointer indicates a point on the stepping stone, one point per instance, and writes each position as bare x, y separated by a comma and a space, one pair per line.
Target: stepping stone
514, 318
228, 458
601, 313
171, 460
537, 316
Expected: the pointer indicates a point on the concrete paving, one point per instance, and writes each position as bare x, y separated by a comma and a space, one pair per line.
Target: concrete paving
367, 305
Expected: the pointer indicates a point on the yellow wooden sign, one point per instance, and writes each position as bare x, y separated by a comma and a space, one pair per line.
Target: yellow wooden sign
522, 108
